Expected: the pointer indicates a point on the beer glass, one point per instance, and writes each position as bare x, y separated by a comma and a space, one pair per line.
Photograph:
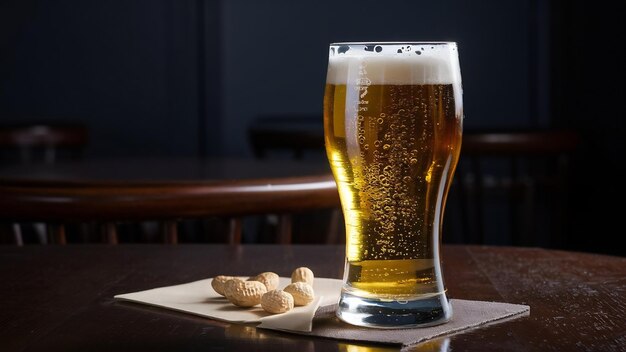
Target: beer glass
393, 117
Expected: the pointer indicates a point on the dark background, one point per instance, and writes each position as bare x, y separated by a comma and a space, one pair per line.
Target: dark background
187, 77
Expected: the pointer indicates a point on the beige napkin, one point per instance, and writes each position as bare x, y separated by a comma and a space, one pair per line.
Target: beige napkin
199, 298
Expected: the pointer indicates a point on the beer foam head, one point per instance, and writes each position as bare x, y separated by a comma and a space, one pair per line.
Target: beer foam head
394, 63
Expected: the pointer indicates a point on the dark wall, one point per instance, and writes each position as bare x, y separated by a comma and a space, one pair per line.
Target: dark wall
588, 68
129, 70
166, 77
275, 54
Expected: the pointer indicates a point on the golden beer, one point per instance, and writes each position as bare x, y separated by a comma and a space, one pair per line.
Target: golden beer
393, 126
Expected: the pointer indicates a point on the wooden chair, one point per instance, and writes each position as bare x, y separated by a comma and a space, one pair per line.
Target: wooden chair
112, 203
524, 172
40, 143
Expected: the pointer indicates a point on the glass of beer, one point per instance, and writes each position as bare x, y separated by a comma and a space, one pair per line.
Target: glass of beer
393, 116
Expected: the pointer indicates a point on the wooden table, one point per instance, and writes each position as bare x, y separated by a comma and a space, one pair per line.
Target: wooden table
60, 298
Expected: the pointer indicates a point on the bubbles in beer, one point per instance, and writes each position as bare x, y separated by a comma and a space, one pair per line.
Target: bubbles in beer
395, 168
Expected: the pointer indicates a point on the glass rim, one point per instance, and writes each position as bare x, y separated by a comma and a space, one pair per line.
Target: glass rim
397, 43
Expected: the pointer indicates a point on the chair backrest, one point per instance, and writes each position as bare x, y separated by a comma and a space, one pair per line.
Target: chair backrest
39, 143
515, 185
112, 203
28, 143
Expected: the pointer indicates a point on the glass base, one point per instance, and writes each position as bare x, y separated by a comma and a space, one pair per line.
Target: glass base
376, 313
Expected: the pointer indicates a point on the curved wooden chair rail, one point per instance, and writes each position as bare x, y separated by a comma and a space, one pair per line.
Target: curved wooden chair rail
111, 202
520, 143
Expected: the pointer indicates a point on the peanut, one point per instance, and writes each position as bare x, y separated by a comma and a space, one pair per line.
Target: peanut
277, 301
245, 293
230, 285
268, 278
302, 274
302, 293
218, 283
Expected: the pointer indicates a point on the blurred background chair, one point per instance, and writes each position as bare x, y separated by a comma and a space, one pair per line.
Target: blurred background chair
296, 136
42, 142
515, 184
31, 143
110, 205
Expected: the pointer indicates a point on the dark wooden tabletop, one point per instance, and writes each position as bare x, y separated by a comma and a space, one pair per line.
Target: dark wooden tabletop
60, 298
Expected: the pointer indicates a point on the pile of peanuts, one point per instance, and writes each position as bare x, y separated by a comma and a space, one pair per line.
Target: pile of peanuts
263, 289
